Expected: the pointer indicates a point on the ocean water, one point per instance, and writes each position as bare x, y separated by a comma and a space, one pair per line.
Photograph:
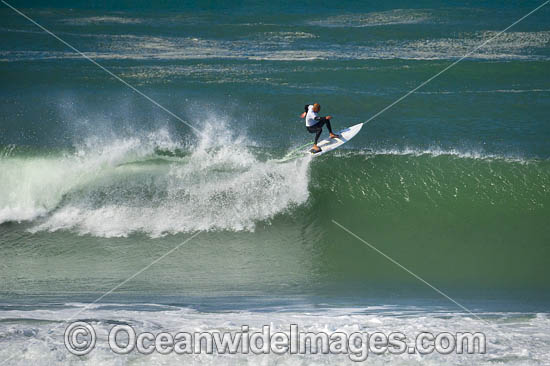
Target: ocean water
96, 182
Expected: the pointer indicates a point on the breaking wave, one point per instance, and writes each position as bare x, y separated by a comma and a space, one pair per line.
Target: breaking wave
137, 184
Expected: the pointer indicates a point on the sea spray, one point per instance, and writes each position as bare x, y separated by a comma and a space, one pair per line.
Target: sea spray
119, 187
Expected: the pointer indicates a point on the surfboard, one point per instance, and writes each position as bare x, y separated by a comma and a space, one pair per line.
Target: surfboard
329, 144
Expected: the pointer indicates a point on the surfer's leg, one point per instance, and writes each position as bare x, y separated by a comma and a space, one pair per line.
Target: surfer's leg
327, 122
317, 135
332, 134
316, 129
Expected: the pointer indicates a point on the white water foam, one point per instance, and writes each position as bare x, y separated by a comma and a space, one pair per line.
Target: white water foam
373, 19
275, 47
106, 19
117, 187
36, 335
34, 186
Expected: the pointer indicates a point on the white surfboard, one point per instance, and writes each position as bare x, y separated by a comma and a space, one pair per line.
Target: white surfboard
329, 144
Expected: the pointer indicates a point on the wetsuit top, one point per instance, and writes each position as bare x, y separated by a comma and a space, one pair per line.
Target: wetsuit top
311, 117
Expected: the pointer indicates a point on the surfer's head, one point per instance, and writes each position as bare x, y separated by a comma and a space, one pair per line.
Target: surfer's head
316, 107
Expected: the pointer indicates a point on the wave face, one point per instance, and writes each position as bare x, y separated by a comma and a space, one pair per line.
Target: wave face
389, 180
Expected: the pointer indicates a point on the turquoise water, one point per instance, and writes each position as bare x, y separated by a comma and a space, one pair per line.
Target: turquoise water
453, 182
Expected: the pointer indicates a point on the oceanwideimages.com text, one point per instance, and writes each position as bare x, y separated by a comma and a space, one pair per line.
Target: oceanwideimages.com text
80, 339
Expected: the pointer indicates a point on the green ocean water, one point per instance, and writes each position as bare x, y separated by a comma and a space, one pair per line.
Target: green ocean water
452, 182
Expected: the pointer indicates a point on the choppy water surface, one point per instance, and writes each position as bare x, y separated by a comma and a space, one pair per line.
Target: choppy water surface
453, 182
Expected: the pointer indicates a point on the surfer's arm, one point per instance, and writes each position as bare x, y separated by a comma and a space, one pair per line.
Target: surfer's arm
320, 119
303, 115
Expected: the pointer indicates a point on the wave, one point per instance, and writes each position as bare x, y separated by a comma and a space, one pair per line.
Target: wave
390, 180
118, 187
156, 186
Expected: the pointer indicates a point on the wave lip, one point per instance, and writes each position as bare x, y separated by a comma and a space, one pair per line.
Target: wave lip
437, 151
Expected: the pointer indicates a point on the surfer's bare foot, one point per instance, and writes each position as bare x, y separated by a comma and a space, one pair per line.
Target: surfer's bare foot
315, 149
333, 136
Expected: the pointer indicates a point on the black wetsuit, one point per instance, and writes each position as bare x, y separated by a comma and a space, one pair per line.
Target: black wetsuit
318, 127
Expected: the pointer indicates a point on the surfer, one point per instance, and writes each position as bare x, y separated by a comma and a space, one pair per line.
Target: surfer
315, 123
